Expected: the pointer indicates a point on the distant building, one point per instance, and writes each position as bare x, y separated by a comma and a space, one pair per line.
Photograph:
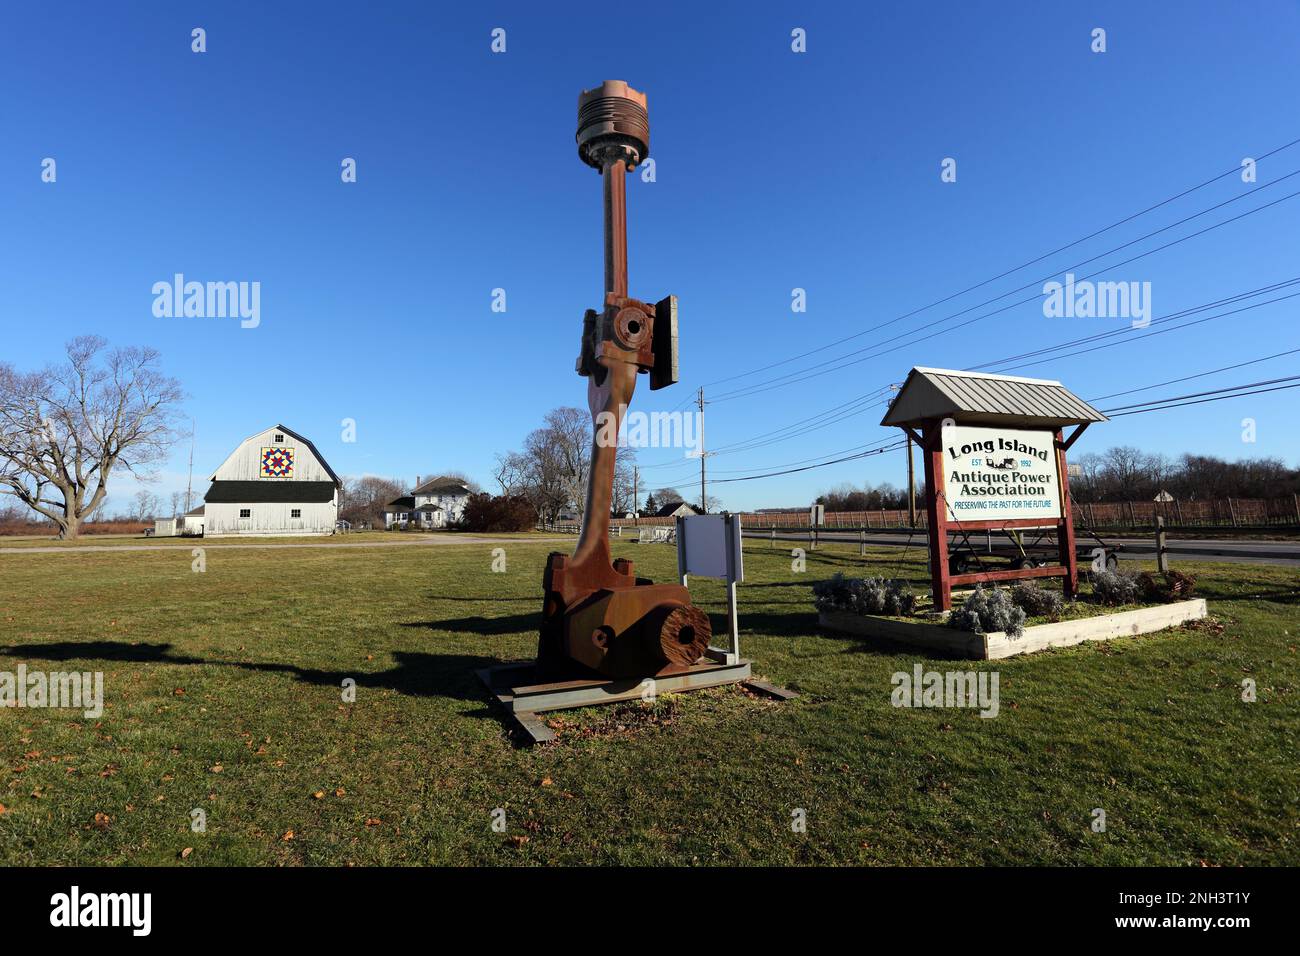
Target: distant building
1163, 496
191, 522
275, 482
436, 503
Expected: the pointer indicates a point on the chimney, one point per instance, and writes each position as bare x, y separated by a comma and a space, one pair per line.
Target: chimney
417, 481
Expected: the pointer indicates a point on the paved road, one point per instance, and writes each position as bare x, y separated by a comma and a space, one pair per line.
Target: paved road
1237, 551
397, 542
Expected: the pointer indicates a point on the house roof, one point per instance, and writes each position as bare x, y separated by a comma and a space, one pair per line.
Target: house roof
441, 485
978, 398
195, 512
672, 506
406, 503
242, 492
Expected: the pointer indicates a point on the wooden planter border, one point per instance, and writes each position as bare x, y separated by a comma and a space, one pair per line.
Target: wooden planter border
939, 637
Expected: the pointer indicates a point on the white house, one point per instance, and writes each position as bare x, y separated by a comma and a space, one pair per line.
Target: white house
436, 503
275, 482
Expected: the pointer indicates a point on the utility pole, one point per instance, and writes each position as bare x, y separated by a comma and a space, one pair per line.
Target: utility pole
911, 474
189, 483
703, 499
636, 496
911, 487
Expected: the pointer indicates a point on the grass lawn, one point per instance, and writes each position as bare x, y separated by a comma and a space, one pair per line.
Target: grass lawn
222, 693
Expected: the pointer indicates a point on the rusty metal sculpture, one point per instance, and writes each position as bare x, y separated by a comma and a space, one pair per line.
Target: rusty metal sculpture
597, 612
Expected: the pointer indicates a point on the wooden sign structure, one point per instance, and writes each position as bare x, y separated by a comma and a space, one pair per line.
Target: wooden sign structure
995, 460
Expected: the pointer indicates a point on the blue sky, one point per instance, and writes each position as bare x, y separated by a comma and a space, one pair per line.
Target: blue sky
774, 170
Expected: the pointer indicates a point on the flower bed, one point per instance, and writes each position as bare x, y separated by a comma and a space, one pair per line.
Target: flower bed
1001, 622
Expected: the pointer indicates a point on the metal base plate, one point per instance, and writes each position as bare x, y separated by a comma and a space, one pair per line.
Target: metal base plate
514, 686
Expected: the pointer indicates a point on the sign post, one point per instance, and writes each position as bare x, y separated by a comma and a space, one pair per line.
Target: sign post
711, 546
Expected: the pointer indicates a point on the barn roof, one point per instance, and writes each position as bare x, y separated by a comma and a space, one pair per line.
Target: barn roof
256, 492
338, 482
978, 398
319, 457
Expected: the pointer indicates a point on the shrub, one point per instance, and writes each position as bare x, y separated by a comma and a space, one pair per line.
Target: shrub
1116, 587
1036, 600
1181, 586
485, 512
864, 596
1175, 586
985, 612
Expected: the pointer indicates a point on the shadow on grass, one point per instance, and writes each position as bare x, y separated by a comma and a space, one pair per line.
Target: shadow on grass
483, 626
415, 674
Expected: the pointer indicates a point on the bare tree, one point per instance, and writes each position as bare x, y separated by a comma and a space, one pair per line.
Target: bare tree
146, 505
66, 429
621, 502
176, 504
568, 433
511, 472
362, 500
668, 496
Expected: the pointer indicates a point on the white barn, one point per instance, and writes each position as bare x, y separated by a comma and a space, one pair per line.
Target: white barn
275, 482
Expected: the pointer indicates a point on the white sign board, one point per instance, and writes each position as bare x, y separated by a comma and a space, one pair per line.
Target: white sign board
991, 473
710, 546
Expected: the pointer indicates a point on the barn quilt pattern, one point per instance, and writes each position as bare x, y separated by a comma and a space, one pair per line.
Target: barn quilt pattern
277, 462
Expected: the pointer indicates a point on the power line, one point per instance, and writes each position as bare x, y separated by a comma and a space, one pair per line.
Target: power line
1024, 265
1155, 405
751, 444
791, 471
1138, 338
1215, 391
1149, 334
1187, 378
799, 375
1280, 388
1227, 300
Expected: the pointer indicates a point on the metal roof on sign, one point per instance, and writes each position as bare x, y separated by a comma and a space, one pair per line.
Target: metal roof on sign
979, 398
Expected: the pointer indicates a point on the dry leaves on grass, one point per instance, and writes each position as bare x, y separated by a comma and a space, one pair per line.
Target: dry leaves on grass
102, 821
288, 835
